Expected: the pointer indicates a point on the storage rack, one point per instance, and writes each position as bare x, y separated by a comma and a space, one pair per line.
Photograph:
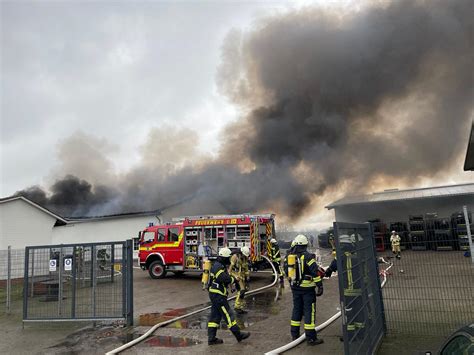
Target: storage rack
458, 223
438, 233
380, 234
417, 232
238, 236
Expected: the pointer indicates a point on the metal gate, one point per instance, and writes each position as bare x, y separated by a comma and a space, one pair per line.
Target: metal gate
359, 288
72, 282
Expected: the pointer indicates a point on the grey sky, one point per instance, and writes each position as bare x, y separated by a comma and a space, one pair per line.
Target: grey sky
112, 70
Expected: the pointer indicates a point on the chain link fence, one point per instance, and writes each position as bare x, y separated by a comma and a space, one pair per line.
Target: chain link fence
11, 279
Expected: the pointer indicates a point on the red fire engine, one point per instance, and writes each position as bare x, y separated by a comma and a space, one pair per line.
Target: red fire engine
184, 244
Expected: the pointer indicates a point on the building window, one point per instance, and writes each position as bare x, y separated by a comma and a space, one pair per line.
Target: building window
173, 234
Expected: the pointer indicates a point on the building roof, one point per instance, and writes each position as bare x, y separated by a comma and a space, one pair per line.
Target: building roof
113, 216
45, 210
410, 194
469, 163
70, 220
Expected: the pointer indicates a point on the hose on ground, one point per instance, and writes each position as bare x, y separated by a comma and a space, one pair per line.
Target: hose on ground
162, 324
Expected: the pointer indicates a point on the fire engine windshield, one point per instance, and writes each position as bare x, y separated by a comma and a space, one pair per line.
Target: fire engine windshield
148, 237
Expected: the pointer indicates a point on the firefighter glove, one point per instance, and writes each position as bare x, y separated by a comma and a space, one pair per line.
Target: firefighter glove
320, 290
328, 273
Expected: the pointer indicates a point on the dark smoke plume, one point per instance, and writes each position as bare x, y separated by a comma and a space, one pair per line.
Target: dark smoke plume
70, 196
333, 102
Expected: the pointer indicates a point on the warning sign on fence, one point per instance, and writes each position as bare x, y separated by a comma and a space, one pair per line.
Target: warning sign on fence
52, 265
68, 264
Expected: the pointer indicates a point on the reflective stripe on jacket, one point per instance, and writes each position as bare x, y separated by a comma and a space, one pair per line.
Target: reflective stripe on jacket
220, 279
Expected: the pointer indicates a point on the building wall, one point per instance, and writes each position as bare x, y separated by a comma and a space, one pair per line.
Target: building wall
106, 230
22, 224
394, 211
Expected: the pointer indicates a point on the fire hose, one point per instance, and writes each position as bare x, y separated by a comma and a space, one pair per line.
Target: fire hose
162, 324
320, 327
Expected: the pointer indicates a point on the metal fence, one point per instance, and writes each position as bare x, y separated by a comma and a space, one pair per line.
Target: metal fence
359, 288
11, 279
91, 281
429, 293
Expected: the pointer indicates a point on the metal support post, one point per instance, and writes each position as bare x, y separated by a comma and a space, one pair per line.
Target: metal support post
112, 262
469, 235
94, 278
74, 281
60, 281
32, 272
129, 279
9, 278
25, 284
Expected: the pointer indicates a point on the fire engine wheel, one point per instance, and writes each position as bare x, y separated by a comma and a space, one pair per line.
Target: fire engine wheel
157, 270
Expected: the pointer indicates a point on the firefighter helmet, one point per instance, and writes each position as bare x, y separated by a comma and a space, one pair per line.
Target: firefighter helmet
273, 241
301, 240
225, 252
393, 232
245, 251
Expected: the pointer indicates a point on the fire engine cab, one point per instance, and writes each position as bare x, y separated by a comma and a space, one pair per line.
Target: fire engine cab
184, 244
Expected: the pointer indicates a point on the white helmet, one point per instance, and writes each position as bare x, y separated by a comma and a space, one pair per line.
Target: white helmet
273, 241
225, 252
245, 251
301, 240
393, 232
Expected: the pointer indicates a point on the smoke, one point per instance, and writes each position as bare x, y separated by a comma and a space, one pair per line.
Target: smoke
70, 196
333, 103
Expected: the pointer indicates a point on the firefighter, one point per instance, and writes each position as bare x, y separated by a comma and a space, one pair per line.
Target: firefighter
275, 256
303, 288
219, 281
239, 269
395, 240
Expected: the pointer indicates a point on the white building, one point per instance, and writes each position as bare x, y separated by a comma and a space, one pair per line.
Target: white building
24, 223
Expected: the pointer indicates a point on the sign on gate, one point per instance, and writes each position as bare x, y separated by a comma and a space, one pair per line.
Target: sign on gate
86, 281
67, 264
52, 265
359, 288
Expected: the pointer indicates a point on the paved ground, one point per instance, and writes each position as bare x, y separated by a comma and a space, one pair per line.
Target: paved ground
268, 319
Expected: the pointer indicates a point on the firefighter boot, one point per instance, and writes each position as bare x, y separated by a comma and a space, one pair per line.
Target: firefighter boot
211, 336
315, 341
238, 334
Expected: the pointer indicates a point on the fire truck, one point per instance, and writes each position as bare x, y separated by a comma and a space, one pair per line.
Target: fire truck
184, 244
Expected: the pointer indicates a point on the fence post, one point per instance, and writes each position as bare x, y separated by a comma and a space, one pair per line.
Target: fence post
94, 278
129, 279
468, 229
32, 272
60, 285
25, 284
9, 278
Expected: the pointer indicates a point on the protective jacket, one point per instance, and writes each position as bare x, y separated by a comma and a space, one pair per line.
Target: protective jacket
275, 252
239, 266
220, 279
